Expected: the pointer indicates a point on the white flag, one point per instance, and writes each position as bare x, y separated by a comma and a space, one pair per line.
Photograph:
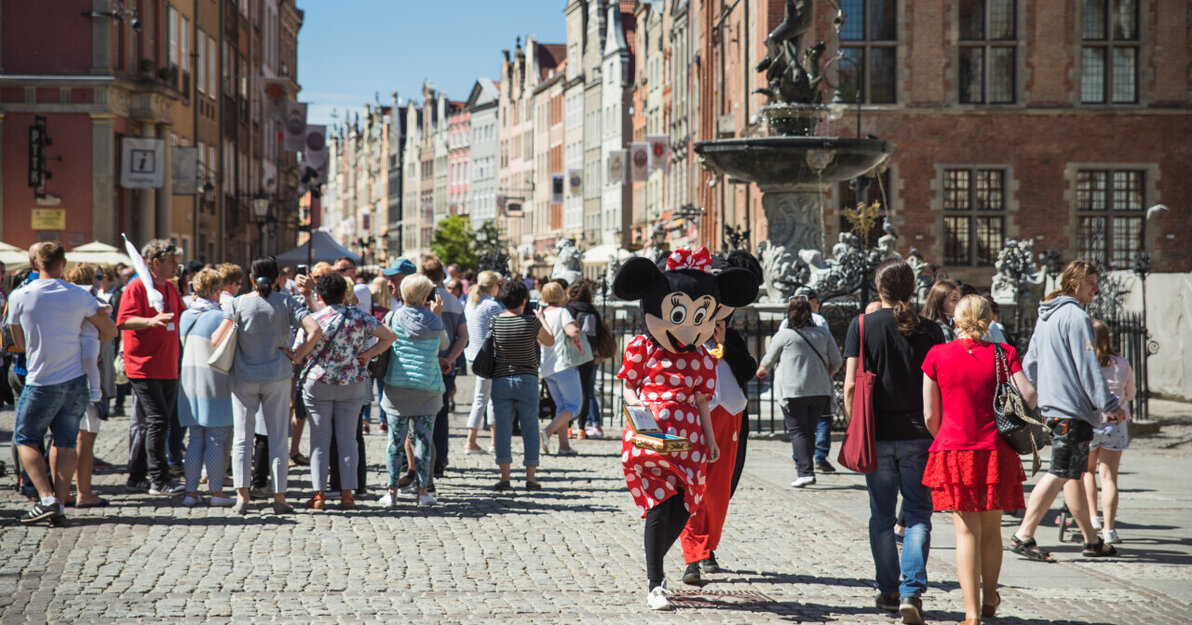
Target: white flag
155, 299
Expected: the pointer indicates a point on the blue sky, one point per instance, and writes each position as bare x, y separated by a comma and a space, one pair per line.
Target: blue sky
351, 50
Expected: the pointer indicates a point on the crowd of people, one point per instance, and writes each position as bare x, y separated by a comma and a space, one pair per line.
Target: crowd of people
247, 372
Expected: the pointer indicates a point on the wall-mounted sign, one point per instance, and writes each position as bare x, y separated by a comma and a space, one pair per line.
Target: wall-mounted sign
49, 219
143, 163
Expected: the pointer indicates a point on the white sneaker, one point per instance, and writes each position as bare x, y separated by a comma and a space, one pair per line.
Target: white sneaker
387, 500
545, 441
409, 492
222, 501
804, 481
427, 500
1097, 523
656, 599
1111, 537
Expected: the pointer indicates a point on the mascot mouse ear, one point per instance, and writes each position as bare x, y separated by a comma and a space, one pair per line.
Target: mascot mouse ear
738, 287
635, 277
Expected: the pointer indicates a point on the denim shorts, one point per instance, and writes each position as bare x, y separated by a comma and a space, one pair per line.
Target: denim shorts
1111, 436
1069, 447
566, 390
57, 408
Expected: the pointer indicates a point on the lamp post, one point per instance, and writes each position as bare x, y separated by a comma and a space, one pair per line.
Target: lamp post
1142, 268
260, 209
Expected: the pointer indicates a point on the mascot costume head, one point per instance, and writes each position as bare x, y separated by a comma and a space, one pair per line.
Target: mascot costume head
680, 305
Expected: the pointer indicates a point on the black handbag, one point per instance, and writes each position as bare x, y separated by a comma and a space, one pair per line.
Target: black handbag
485, 363
1017, 423
378, 365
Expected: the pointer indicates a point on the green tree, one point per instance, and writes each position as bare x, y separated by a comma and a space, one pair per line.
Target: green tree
453, 242
487, 238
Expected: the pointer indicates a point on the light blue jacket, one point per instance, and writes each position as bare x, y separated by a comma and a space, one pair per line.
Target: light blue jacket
414, 363
1061, 362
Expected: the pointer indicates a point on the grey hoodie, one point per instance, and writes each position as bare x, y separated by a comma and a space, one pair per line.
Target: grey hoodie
1062, 364
418, 323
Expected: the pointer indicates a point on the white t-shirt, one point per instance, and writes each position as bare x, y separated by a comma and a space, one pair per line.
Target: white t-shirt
363, 297
557, 318
51, 313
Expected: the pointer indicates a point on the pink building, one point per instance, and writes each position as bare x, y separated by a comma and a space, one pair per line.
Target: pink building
459, 143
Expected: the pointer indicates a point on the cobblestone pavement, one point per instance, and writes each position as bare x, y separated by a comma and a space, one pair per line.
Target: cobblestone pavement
571, 553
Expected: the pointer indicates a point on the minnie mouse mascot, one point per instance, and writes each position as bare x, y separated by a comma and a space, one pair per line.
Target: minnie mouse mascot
670, 371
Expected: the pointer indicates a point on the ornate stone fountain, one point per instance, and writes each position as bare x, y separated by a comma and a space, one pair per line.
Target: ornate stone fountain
792, 166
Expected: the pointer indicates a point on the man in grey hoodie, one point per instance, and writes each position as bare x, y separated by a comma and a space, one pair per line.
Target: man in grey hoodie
1062, 364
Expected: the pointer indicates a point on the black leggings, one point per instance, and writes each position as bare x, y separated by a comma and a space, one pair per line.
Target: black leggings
664, 523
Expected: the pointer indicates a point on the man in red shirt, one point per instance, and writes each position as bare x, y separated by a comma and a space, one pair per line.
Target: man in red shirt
151, 348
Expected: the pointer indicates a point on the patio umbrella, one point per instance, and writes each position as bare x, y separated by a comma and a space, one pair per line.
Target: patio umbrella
99, 253
13, 257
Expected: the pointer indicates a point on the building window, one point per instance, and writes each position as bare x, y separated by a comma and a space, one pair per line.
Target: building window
868, 40
1110, 214
1109, 52
988, 40
974, 216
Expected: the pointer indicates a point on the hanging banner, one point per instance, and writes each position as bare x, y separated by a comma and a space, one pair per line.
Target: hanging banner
295, 126
275, 99
640, 159
659, 152
576, 179
314, 158
184, 170
556, 188
142, 163
616, 166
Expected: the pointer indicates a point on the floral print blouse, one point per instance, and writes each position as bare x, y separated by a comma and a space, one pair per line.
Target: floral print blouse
352, 330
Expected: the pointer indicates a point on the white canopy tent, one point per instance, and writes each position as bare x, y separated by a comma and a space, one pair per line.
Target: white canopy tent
13, 257
98, 253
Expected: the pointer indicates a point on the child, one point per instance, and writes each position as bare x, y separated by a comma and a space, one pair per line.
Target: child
1109, 440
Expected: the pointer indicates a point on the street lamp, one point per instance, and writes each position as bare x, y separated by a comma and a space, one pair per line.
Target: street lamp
260, 210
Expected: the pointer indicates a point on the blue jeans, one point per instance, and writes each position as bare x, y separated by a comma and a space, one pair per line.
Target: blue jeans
823, 437
512, 396
54, 407
900, 467
566, 390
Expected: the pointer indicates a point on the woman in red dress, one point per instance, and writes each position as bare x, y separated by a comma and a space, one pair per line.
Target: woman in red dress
970, 469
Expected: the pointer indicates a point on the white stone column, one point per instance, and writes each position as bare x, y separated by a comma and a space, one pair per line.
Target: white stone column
165, 195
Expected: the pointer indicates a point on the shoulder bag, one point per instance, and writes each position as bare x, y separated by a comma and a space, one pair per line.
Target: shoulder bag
859, 449
606, 344
224, 356
484, 365
1017, 423
378, 365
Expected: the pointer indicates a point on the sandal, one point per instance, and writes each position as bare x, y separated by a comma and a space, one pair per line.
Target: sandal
1029, 549
989, 610
298, 460
1099, 549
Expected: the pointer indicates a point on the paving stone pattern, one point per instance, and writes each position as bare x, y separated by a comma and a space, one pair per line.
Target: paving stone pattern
570, 553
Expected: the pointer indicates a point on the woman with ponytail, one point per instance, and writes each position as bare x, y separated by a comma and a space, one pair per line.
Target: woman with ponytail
896, 342
970, 470
261, 372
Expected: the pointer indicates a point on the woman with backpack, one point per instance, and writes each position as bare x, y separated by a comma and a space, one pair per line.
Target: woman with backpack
588, 420
559, 366
809, 358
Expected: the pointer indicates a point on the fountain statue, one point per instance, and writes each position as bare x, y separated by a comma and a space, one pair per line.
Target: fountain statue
792, 166
568, 263
1017, 272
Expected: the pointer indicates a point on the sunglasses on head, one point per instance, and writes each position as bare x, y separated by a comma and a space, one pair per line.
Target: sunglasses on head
169, 251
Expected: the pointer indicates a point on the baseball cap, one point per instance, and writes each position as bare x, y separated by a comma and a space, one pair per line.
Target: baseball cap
401, 266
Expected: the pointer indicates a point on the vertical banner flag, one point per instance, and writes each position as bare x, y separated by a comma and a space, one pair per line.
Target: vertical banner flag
314, 156
295, 126
576, 178
659, 152
616, 166
556, 188
184, 170
275, 99
640, 158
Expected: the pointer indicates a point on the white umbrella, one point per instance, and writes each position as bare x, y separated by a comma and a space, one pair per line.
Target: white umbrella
98, 253
13, 257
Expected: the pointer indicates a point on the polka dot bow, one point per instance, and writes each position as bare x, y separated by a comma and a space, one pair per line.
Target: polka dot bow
683, 258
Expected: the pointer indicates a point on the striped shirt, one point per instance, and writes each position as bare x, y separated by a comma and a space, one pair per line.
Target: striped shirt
516, 342
479, 321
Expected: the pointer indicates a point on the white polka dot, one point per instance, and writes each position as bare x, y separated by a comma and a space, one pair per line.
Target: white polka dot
686, 507
734, 437
683, 433
708, 363
710, 383
695, 365
681, 396
693, 437
641, 509
695, 456
664, 413
625, 457
649, 464
667, 395
657, 472
659, 493
687, 381
636, 357
631, 374
675, 380
667, 363
649, 502
658, 379
653, 363
670, 430
636, 492
681, 364
683, 456
652, 396
628, 435
637, 452
645, 483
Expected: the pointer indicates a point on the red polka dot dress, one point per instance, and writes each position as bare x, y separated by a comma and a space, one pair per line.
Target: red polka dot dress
667, 383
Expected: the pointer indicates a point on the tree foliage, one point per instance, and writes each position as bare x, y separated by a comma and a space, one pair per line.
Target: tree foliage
453, 242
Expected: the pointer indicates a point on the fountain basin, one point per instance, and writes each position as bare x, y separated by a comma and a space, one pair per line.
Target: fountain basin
793, 163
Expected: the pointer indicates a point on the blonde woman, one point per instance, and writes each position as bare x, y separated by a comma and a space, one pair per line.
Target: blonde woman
1109, 440
482, 306
970, 470
561, 376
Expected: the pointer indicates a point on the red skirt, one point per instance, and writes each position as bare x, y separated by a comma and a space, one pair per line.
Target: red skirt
975, 480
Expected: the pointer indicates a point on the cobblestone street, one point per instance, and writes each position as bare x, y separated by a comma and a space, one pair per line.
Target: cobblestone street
571, 553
